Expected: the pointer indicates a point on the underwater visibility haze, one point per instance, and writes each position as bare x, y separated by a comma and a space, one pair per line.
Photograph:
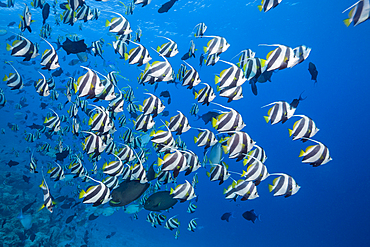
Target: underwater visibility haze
184, 123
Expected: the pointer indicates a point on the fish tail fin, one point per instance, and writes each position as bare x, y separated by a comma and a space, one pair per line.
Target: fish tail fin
107, 22
29, 29
82, 194
40, 208
301, 153
266, 118
8, 47
270, 187
290, 132
260, 7
347, 22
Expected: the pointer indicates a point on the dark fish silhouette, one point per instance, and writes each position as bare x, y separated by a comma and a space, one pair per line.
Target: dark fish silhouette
207, 117
201, 59
166, 7
226, 216
45, 12
93, 217
12, 163
165, 113
313, 71
35, 126
74, 47
165, 94
295, 102
185, 56
70, 218
158, 201
127, 192
26, 179
150, 174
11, 24
57, 73
250, 215
43, 105
61, 156
28, 206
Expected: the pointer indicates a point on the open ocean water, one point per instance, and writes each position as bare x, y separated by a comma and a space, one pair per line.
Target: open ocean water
331, 207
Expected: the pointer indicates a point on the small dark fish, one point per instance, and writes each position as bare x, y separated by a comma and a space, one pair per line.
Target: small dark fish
185, 56
165, 94
11, 24
201, 59
28, 206
32, 237
74, 47
313, 71
35, 126
60, 199
57, 73
12, 163
73, 62
169, 101
93, 217
207, 117
250, 215
66, 205
45, 12
165, 7
3, 5
61, 156
295, 102
265, 76
10, 38
226, 216
2, 224
26, 179
43, 105
165, 113
8, 174
70, 218
75, 204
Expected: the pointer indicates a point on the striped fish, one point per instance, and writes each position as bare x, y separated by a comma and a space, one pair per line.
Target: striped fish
74, 4
246, 189
231, 93
192, 225
144, 122
192, 162
200, 29
191, 208
205, 95
75, 127
231, 77
303, 129
152, 105
211, 59
217, 45
23, 48
238, 145
101, 121
143, 2
316, 155
89, 84
116, 105
164, 139
359, 13
14, 81
174, 161
126, 154
284, 185
77, 168
26, 19
194, 109
191, 77
183, 192
56, 173
138, 173
179, 124
96, 195
266, 5
281, 111
219, 173
228, 121
168, 49
244, 57
280, 58
254, 67
128, 136
93, 144
118, 25
113, 168
111, 182
165, 177
172, 223
69, 17
33, 164
49, 58
301, 53
97, 48
84, 13
53, 122
48, 200
256, 172
205, 138
120, 47
255, 155
139, 55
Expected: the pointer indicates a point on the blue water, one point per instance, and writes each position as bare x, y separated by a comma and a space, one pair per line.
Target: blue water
330, 209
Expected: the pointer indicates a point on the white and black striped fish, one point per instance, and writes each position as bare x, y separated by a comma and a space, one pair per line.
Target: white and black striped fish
126, 174
303, 129
144, 122
101, 121
191, 208
96, 195
113, 168
116, 105
23, 48
244, 57
26, 19
183, 192
211, 59
73, 110
152, 105
139, 55
51, 83
192, 225
14, 81
158, 71
97, 48
77, 168
301, 53
217, 45
49, 58
128, 136
74, 4
191, 78
359, 13
120, 47
126, 154
84, 13
93, 144
194, 109
219, 173
316, 155
172, 223
33, 164
48, 200
162, 137
231, 77
175, 161
118, 25
179, 124
165, 177
205, 95
254, 67
200, 29
138, 173
192, 161
231, 93
168, 49
255, 155
256, 172
53, 122
280, 58
281, 111
205, 138
75, 127
56, 173
238, 145
69, 17
228, 121
143, 2
89, 84
246, 189
266, 5
111, 182
284, 185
